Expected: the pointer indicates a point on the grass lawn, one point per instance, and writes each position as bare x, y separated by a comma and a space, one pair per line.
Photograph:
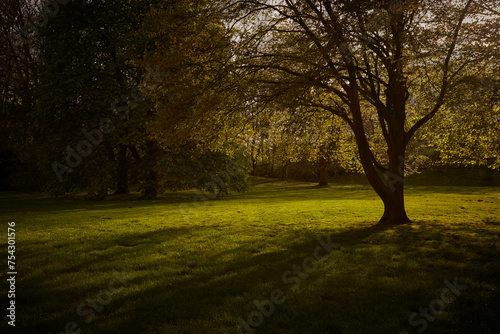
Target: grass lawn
197, 269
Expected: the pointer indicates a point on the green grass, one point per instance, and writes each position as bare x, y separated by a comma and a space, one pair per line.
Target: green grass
197, 269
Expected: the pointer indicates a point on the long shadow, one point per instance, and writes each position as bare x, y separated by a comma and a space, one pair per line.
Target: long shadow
192, 294
172, 304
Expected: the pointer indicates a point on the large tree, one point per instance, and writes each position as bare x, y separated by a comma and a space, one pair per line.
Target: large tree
363, 60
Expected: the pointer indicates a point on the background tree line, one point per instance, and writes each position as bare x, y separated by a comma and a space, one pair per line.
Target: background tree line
83, 66
307, 88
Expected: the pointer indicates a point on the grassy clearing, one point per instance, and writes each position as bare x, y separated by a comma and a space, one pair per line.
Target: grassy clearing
197, 269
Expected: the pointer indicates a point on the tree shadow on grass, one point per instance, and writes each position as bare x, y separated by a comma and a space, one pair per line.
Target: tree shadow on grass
182, 297
372, 284
199, 297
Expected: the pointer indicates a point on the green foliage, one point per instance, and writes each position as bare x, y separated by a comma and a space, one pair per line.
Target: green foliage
187, 168
467, 132
149, 58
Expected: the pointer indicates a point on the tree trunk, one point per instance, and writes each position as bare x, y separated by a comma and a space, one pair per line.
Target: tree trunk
394, 214
151, 188
394, 204
323, 171
394, 208
285, 171
393, 194
254, 166
391, 191
122, 171
254, 157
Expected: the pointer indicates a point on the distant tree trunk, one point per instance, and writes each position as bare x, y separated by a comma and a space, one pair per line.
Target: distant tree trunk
285, 170
254, 165
122, 171
323, 171
135, 154
151, 188
254, 156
